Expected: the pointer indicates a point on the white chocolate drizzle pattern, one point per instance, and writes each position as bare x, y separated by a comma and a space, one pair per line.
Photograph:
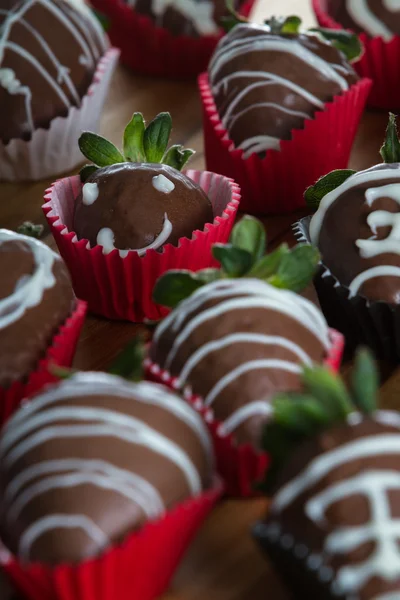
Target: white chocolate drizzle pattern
106, 238
240, 294
383, 530
200, 13
362, 14
30, 289
237, 44
379, 218
46, 419
90, 54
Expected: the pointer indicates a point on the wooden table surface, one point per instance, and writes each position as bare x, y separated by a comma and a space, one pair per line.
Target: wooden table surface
223, 562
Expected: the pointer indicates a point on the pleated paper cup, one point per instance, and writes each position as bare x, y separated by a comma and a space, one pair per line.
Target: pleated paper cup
241, 467
276, 183
152, 50
55, 150
60, 352
374, 324
380, 62
122, 288
138, 569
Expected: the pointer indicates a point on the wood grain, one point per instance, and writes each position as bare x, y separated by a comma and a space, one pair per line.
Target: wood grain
223, 563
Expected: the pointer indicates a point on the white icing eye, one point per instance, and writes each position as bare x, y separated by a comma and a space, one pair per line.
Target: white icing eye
90, 193
163, 184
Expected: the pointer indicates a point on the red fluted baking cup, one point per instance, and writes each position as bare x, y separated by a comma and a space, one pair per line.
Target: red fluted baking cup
60, 352
121, 288
380, 62
153, 50
276, 183
241, 467
138, 569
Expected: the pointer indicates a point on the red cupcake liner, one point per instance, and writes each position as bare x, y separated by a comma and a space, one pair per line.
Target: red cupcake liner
121, 288
380, 63
152, 50
276, 183
138, 569
60, 352
241, 467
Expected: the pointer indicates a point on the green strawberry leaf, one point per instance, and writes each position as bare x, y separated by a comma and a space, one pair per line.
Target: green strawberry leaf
390, 150
86, 172
174, 286
31, 230
129, 363
98, 150
348, 43
233, 18
314, 194
156, 137
249, 234
269, 264
365, 382
235, 262
284, 25
133, 139
177, 156
296, 269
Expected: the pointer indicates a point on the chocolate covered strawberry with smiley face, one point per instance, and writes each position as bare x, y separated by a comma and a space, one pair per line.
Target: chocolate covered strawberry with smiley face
138, 199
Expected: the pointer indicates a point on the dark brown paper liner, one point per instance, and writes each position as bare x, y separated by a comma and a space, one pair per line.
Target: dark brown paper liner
152, 50
121, 288
291, 559
60, 352
379, 62
240, 466
138, 569
276, 183
375, 324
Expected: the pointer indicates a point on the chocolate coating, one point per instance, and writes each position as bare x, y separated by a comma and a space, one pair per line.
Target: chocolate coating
237, 343
326, 534
348, 219
136, 212
265, 85
51, 51
193, 17
98, 457
374, 17
36, 297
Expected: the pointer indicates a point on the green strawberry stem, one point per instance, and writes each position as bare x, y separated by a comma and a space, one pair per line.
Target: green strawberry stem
31, 230
390, 150
141, 143
314, 194
324, 403
348, 43
244, 256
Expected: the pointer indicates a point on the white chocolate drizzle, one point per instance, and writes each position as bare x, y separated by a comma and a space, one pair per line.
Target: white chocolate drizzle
383, 530
237, 44
367, 20
30, 289
235, 295
200, 13
163, 184
380, 218
54, 415
106, 238
9, 79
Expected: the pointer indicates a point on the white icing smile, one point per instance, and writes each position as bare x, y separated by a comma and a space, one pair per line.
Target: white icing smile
106, 238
